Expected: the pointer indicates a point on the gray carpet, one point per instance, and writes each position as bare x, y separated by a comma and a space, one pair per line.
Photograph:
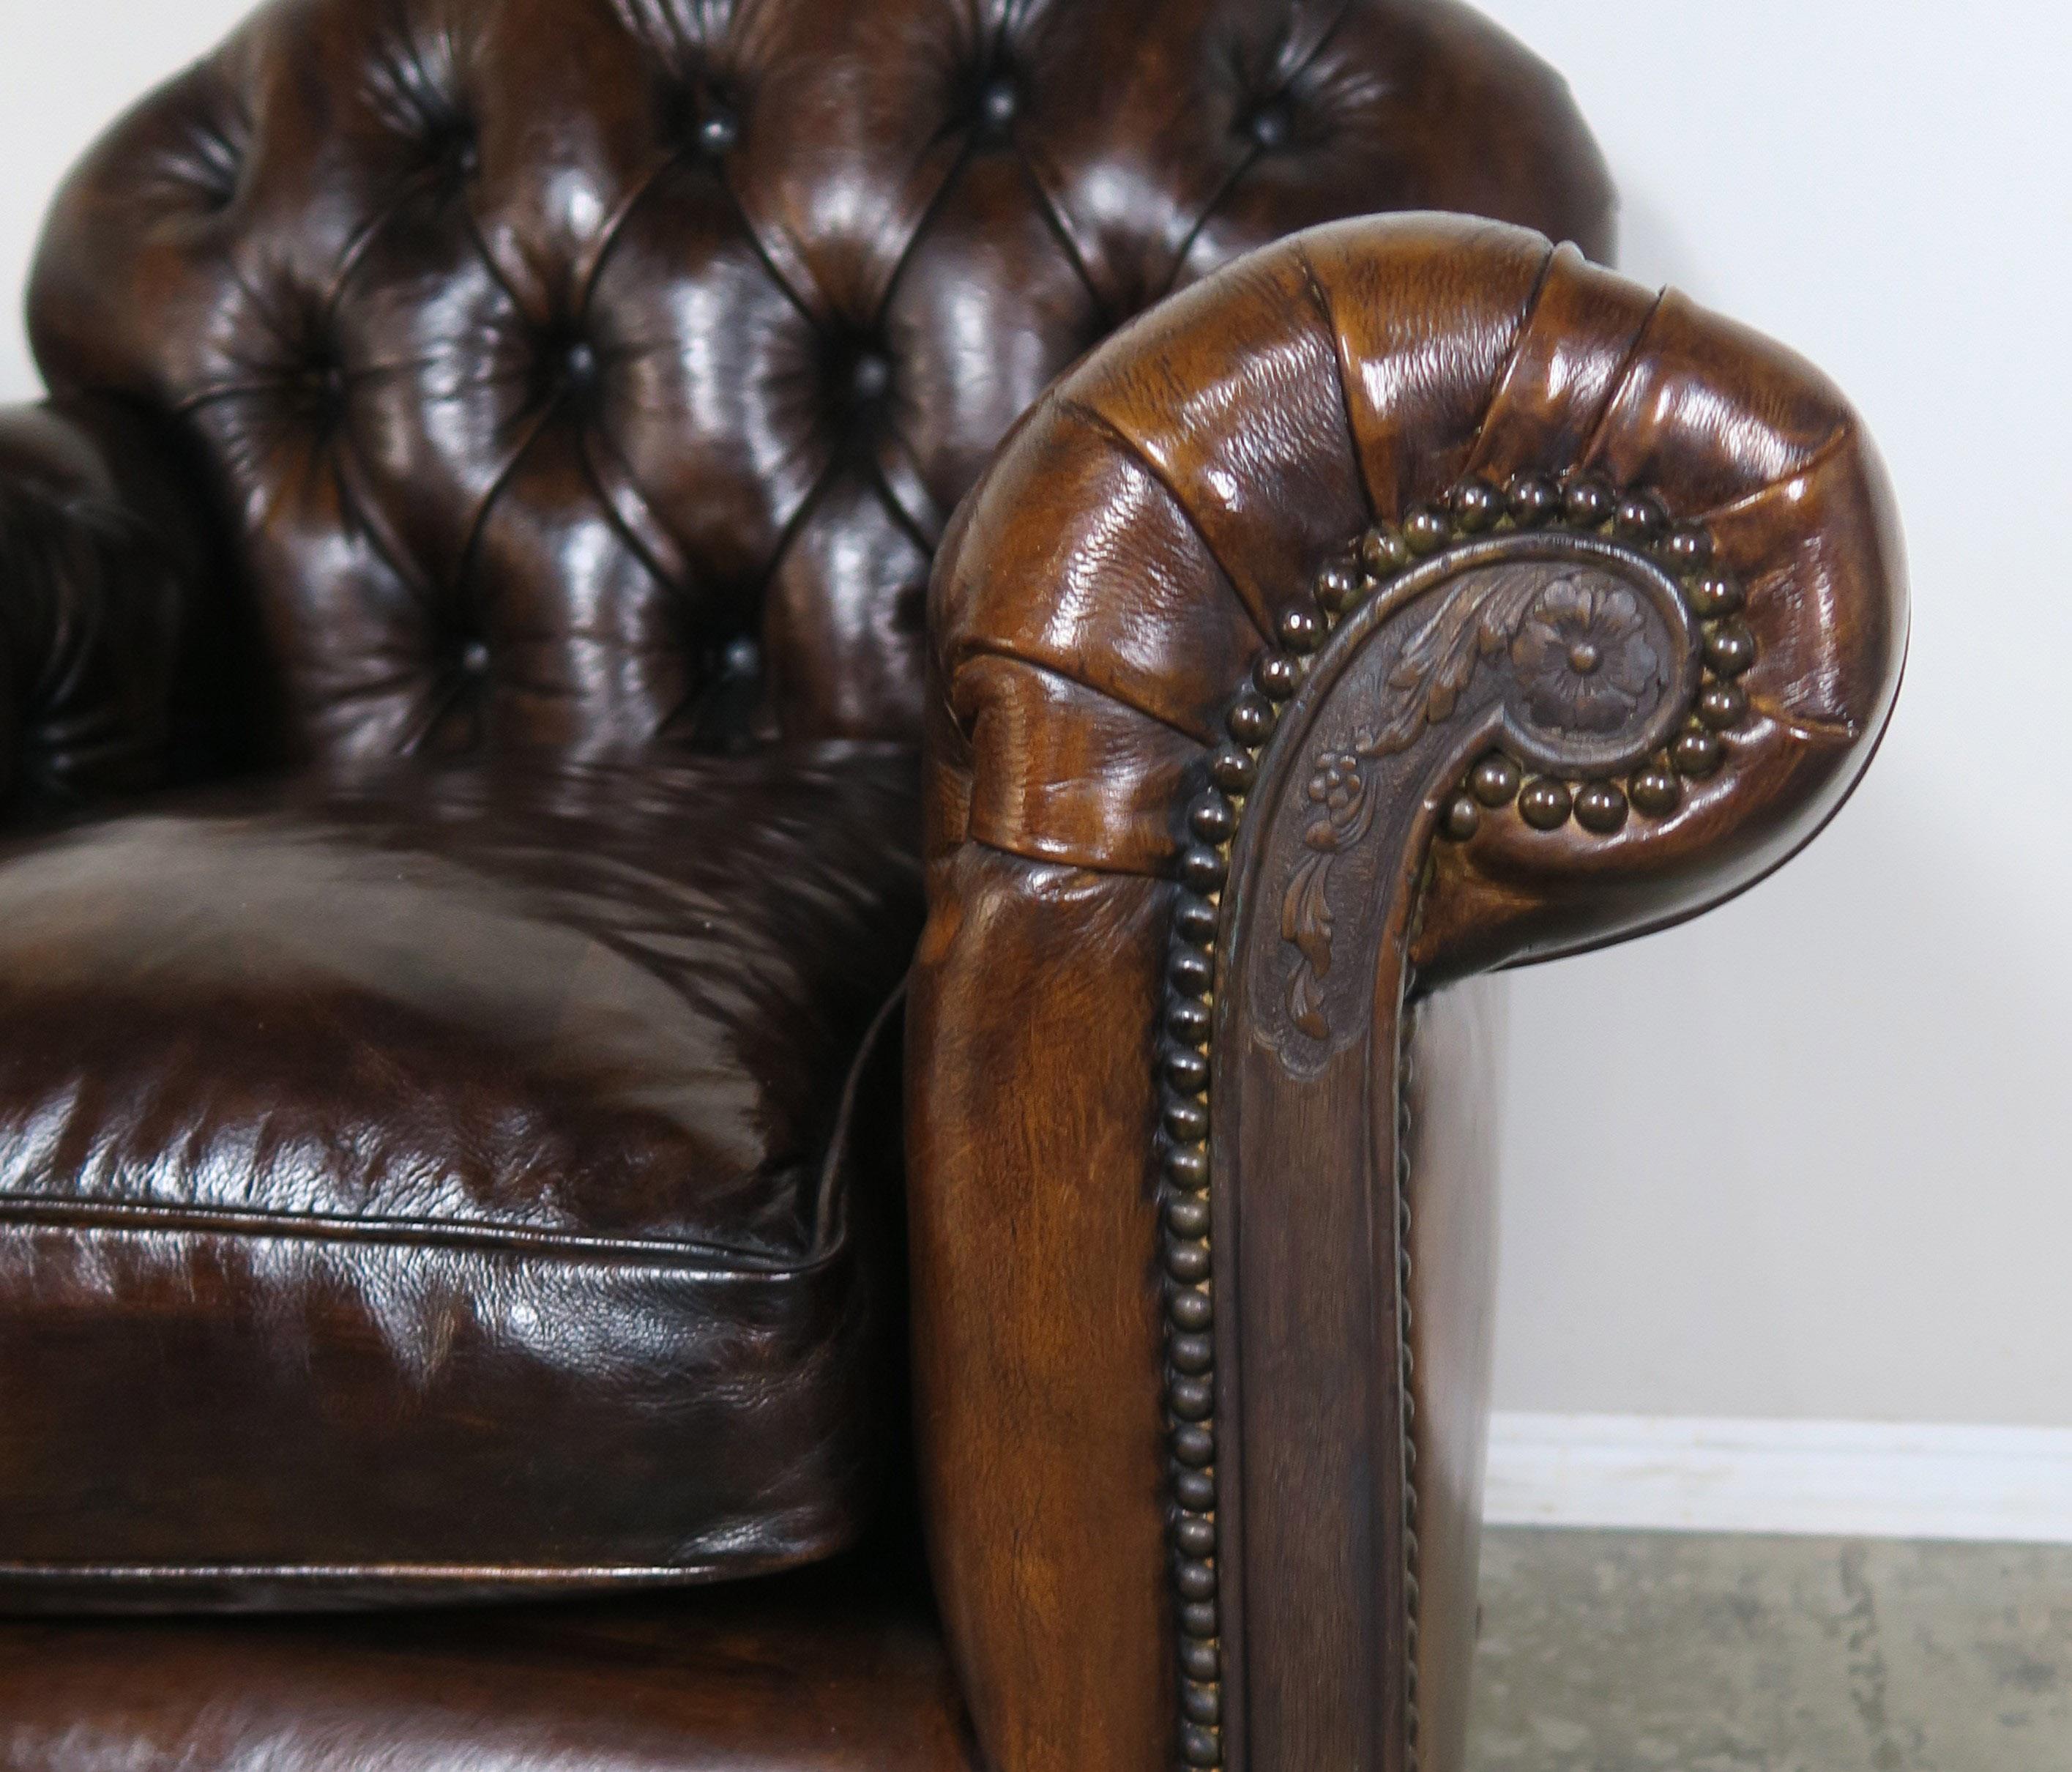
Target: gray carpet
1634, 1652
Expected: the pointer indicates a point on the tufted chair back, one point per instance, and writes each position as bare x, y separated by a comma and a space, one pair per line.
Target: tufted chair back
577, 374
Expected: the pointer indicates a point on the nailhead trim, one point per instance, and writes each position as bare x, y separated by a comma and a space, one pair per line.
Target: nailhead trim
1585, 505
1578, 503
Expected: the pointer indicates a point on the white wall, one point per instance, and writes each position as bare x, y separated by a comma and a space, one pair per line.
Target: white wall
1861, 1065
1857, 1067
67, 68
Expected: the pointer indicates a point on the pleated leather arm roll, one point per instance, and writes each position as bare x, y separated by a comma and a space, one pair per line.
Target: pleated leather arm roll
1409, 599
99, 574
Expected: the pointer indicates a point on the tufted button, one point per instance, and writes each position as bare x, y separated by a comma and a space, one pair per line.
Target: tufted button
474, 659
997, 104
565, 368
729, 706
858, 378
450, 142
718, 130
317, 388
1271, 125
870, 376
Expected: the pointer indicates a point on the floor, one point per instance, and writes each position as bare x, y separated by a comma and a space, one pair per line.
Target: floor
1636, 1652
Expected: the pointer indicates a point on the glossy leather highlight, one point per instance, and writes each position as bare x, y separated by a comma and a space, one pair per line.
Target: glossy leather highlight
106, 671
834, 1670
566, 373
451, 1171
428, 1179
1103, 597
568, 387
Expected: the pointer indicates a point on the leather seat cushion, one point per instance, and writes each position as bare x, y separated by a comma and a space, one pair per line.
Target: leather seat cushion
831, 1669
449, 1178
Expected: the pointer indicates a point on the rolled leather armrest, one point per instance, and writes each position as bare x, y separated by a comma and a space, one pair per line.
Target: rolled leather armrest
101, 560
1410, 600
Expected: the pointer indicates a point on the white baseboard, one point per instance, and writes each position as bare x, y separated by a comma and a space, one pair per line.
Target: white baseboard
1831, 1479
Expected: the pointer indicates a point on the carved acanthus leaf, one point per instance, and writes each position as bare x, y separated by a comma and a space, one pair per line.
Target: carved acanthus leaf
1478, 618
1574, 639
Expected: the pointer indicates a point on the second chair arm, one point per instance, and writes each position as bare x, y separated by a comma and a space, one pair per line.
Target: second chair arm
1410, 599
102, 565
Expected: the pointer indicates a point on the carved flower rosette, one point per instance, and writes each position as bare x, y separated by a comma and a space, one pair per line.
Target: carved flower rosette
1571, 655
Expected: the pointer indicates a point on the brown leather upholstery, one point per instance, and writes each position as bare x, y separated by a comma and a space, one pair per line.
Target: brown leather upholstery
568, 373
839, 1671
562, 386
458, 1167
1104, 599
434, 1178
102, 662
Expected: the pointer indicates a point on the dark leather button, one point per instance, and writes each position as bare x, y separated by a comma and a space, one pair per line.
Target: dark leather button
474, 659
1272, 124
318, 390
998, 103
870, 376
579, 363
718, 130
451, 142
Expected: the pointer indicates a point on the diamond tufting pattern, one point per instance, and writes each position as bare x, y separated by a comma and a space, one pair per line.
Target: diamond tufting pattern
573, 374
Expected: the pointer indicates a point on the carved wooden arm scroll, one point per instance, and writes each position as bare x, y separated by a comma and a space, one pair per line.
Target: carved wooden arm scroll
1410, 599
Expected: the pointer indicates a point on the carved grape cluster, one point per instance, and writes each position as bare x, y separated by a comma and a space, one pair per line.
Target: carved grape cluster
1336, 784
1581, 655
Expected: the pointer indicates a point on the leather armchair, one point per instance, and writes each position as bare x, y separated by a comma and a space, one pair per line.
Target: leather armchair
102, 563
569, 536
1412, 600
